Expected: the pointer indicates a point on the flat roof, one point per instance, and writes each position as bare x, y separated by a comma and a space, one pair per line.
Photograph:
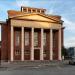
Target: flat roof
33, 8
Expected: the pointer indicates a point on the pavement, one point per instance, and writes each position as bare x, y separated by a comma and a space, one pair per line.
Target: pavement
37, 68
30, 64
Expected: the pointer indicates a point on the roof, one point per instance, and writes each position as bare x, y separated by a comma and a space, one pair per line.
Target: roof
13, 14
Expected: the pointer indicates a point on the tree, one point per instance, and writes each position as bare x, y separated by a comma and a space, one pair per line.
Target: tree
64, 51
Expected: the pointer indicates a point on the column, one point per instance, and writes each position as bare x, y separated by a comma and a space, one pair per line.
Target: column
59, 45
22, 42
12, 41
31, 10
51, 44
41, 50
32, 44
27, 10
40, 11
36, 10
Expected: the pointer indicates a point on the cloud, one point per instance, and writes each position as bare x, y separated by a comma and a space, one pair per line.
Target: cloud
70, 42
22, 3
31, 3
58, 7
70, 25
51, 11
39, 3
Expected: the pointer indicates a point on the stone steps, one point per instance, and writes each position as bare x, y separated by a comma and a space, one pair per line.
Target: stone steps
36, 62
30, 63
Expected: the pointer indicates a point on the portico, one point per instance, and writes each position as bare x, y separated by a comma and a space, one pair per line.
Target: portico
41, 45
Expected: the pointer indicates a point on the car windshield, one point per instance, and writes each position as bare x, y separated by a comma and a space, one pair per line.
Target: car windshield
73, 57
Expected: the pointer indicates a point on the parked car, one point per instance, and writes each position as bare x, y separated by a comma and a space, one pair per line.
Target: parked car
72, 60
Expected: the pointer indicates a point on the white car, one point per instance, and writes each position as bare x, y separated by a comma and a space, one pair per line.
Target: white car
72, 60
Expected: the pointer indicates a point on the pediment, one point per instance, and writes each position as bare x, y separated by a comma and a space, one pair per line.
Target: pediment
36, 17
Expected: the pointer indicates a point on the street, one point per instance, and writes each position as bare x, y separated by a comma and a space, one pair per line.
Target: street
64, 69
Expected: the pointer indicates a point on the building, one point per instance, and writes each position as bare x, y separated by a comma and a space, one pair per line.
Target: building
71, 51
30, 34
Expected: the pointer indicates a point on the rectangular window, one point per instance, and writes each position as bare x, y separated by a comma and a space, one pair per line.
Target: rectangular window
35, 39
44, 39
29, 11
26, 38
17, 52
54, 40
25, 10
17, 38
26, 52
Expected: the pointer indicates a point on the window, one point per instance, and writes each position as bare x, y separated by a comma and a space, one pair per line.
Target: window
44, 39
54, 40
26, 52
44, 53
26, 38
38, 11
35, 39
29, 11
34, 10
17, 52
42, 11
17, 38
25, 10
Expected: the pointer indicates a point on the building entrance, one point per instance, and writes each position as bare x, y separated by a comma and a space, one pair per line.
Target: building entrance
36, 54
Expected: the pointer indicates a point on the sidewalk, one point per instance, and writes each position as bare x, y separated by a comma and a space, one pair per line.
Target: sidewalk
13, 65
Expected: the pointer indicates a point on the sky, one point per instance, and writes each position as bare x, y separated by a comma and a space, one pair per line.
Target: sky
64, 8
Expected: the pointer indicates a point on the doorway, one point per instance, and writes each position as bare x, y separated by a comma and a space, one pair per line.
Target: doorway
36, 54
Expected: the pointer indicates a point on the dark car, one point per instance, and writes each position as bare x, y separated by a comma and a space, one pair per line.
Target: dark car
72, 60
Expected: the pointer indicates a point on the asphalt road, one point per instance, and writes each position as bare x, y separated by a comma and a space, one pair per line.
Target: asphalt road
40, 70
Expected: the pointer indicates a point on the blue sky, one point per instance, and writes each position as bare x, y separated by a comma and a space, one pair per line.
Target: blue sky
64, 8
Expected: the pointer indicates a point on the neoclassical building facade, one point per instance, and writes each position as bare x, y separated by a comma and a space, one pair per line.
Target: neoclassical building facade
31, 34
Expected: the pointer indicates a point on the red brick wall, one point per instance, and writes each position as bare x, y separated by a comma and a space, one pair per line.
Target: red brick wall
55, 44
47, 46
28, 48
4, 45
62, 37
37, 51
17, 57
9, 39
